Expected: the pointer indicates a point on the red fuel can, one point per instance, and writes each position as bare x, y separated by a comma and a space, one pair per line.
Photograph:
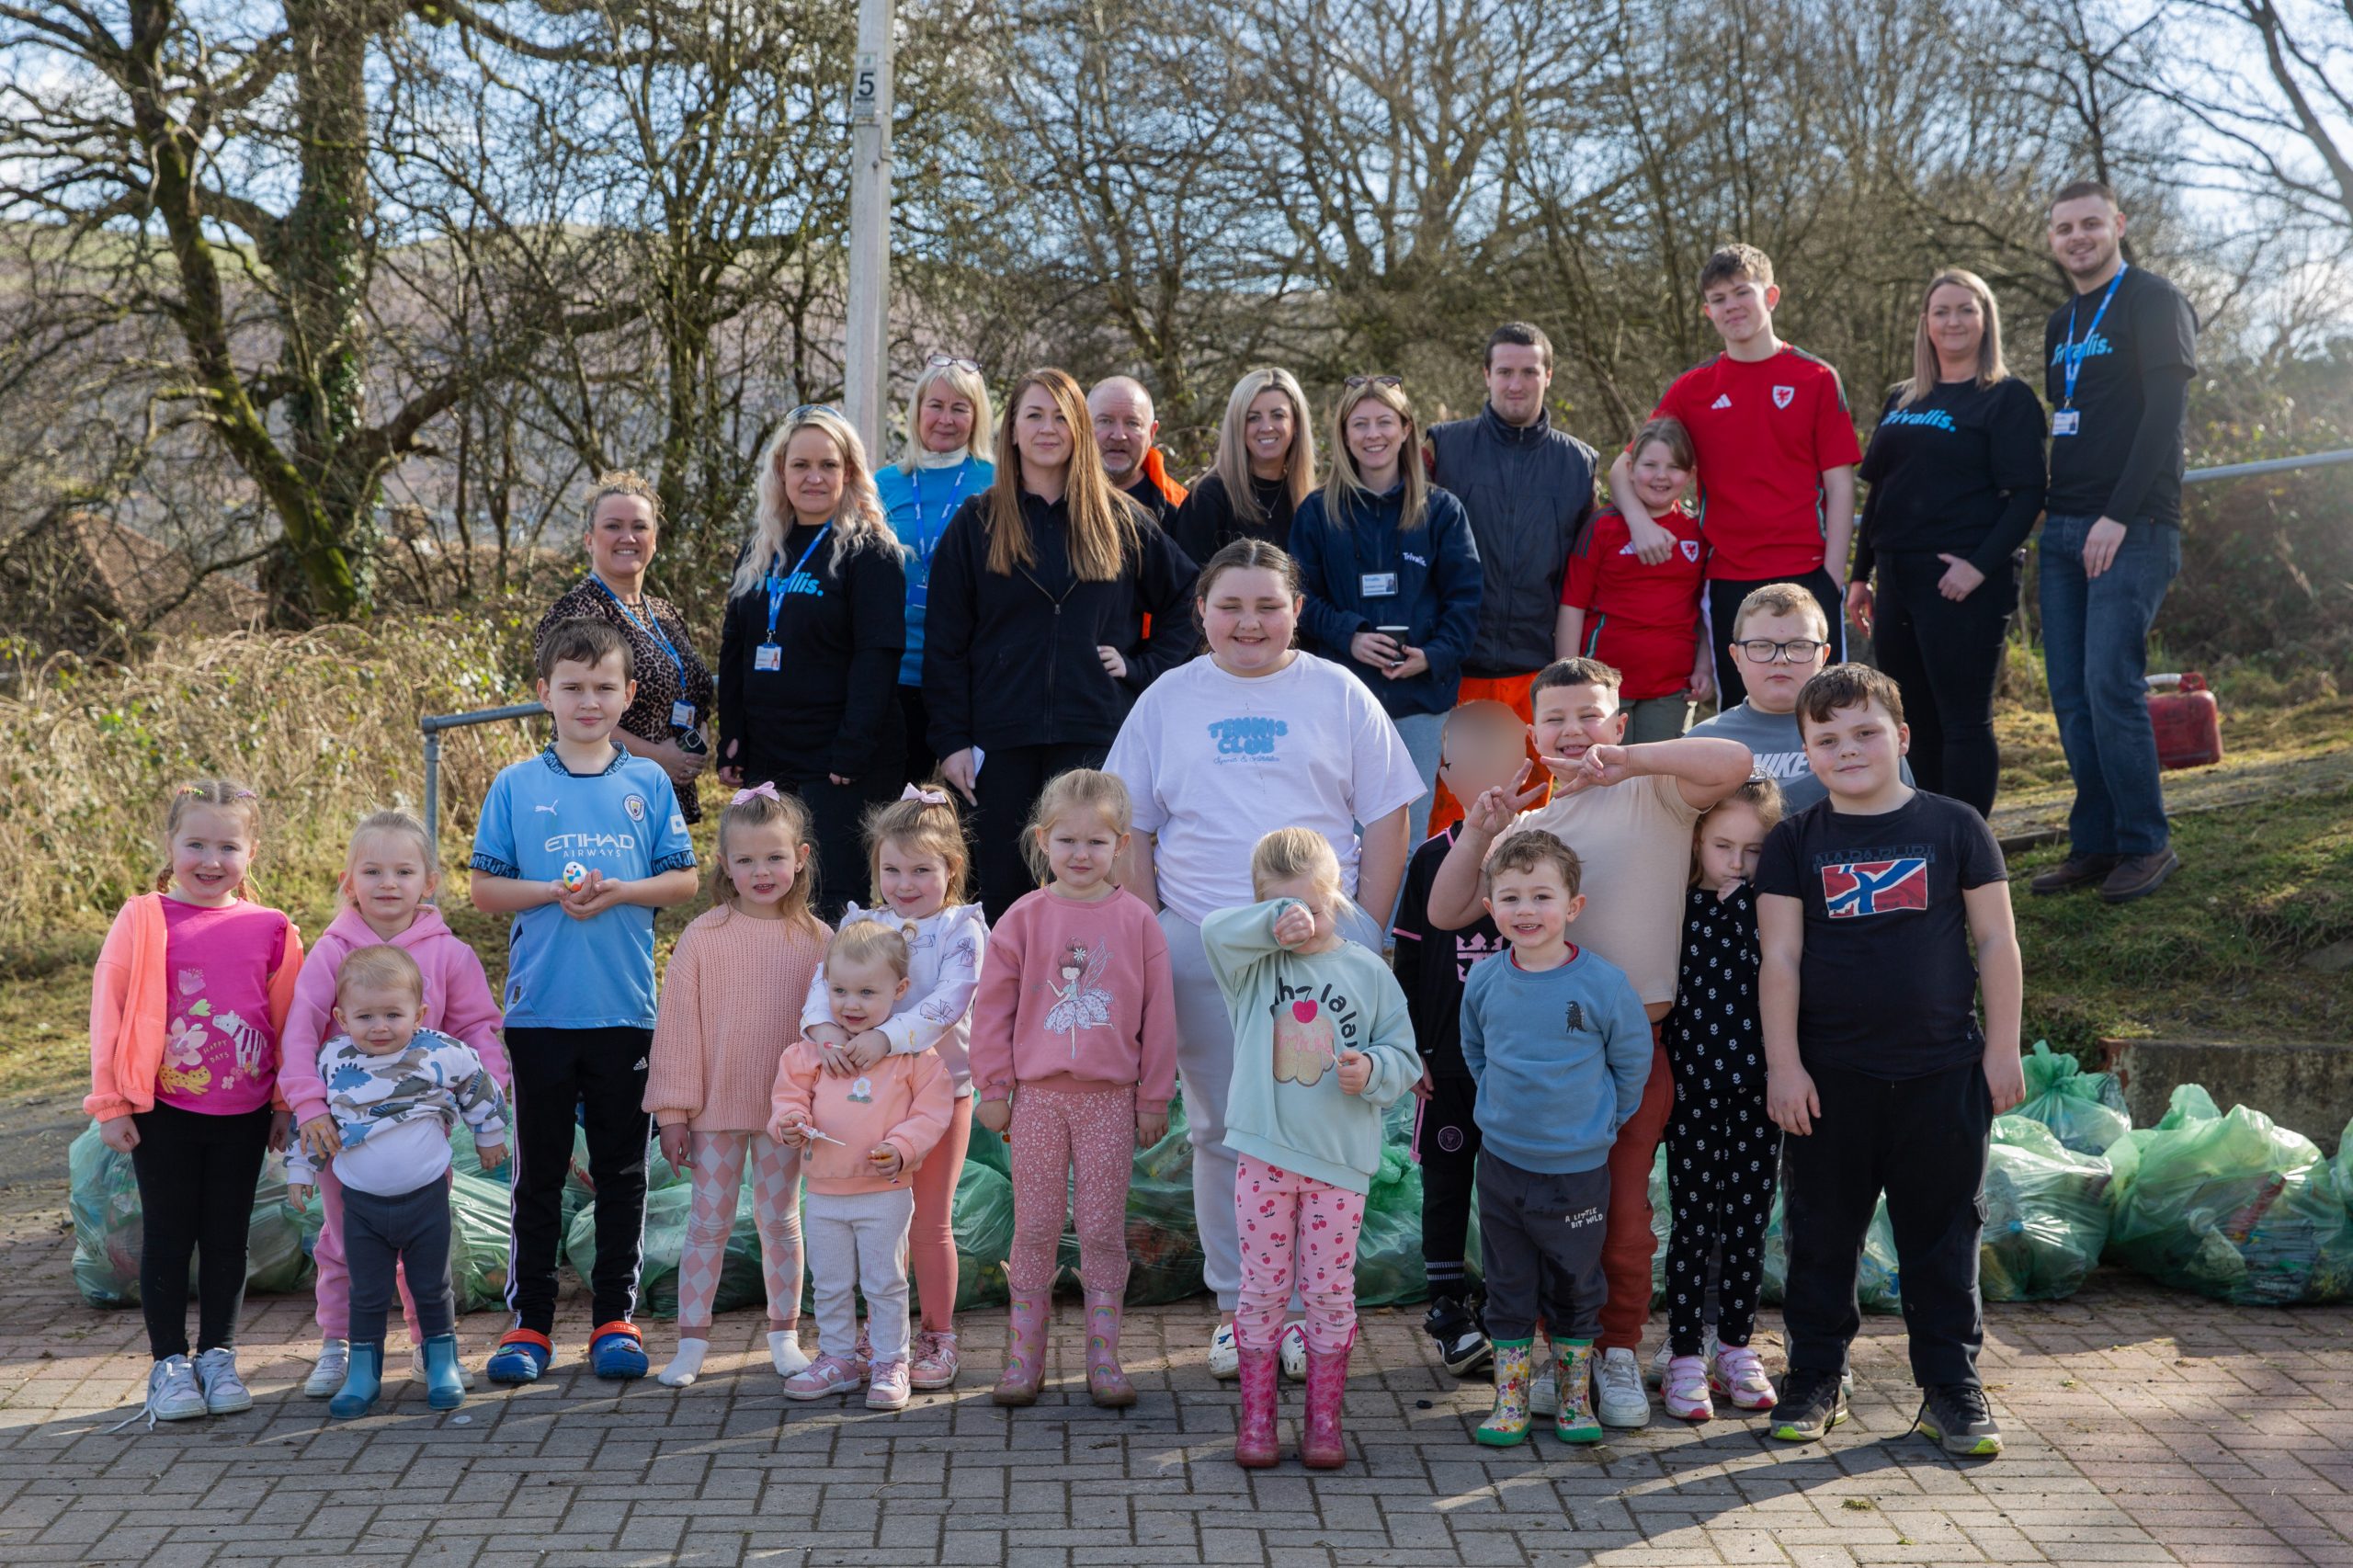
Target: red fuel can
2188, 721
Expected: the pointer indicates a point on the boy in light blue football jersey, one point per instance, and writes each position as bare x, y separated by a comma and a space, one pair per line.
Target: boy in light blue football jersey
581, 844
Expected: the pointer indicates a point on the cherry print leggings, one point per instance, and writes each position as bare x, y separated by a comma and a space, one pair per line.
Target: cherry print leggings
1297, 1232
1052, 1131
719, 1159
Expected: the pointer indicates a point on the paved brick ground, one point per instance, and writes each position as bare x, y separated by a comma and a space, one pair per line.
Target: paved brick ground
2144, 1427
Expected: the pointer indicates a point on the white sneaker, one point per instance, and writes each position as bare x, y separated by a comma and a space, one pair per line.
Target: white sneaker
1544, 1391
334, 1360
1617, 1395
1292, 1348
1655, 1375
416, 1370
172, 1394
224, 1392
1225, 1354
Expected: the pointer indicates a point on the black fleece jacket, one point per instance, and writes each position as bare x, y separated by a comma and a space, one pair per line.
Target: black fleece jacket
831, 705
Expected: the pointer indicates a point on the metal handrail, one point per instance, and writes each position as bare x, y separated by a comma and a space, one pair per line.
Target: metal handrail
2267, 465
432, 724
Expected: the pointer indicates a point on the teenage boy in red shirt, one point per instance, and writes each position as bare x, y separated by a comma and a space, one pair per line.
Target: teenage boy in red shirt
1776, 453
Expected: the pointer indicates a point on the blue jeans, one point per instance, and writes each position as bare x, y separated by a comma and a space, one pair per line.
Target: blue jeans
1421, 732
2094, 655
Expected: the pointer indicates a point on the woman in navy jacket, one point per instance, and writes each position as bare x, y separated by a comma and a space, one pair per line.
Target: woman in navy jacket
1390, 570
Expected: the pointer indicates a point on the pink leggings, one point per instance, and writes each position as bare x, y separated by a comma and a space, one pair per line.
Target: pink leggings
335, 1274
718, 1160
1053, 1131
931, 1243
1298, 1233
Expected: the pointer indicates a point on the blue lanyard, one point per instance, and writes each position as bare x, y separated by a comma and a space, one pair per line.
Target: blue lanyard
778, 585
652, 627
2073, 360
930, 541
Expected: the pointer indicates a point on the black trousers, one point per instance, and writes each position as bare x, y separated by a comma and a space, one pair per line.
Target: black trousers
1722, 1160
596, 1079
1540, 1245
1947, 659
196, 1175
408, 1231
921, 763
1723, 611
1449, 1148
1011, 778
1925, 1142
838, 822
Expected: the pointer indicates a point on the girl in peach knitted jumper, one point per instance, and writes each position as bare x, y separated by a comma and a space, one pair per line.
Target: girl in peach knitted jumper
730, 1004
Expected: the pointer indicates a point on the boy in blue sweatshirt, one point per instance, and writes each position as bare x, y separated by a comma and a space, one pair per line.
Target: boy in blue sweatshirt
1561, 1048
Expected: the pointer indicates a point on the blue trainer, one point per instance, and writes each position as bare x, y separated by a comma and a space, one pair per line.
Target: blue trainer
522, 1355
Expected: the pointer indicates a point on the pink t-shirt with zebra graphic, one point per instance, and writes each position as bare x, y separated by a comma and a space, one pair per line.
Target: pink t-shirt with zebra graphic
219, 1050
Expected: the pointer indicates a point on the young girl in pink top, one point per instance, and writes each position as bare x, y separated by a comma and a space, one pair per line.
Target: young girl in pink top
1075, 1026
865, 1135
729, 1003
189, 993
387, 878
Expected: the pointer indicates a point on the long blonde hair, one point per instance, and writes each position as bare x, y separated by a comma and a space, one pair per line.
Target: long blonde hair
1233, 467
1990, 365
222, 794
858, 521
965, 384
1346, 484
1105, 528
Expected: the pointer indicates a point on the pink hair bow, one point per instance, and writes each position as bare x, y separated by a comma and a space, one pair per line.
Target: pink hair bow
928, 797
762, 791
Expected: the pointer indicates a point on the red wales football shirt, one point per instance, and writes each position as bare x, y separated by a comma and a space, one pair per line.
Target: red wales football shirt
1763, 432
1641, 621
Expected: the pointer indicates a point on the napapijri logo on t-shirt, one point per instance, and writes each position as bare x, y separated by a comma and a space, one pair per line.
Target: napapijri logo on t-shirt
1784, 396
1853, 890
1724, 400
1248, 736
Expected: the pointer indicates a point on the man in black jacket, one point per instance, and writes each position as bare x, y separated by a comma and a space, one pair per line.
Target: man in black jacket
1126, 425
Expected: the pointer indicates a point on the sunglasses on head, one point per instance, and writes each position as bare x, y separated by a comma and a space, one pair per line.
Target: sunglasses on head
1353, 382
807, 408
939, 361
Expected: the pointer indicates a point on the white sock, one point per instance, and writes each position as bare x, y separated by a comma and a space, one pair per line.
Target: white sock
687, 1365
784, 1350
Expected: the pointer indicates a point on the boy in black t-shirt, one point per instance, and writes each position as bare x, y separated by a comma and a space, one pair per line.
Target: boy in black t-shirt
1876, 1065
1480, 748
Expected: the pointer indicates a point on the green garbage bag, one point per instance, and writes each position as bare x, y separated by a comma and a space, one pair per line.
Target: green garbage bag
984, 1233
1389, 1250
667, 1209
1164, 1244
104, 1198
1876, 1285
2085, 1111
2046, 1214
2231, 1207
479, 1226
2332, 1277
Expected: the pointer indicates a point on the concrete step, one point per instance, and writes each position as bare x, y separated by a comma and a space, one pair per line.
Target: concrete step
2306, 1089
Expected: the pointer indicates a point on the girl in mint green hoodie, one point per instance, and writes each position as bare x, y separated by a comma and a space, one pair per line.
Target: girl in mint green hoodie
1321, 1048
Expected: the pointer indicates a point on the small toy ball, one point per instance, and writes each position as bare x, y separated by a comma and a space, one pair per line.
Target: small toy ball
575, 873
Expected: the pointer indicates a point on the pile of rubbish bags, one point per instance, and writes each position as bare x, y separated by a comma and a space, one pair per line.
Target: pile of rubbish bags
2229, 1205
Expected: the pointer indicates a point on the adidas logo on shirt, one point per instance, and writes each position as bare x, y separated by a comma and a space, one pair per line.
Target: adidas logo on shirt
1724, 400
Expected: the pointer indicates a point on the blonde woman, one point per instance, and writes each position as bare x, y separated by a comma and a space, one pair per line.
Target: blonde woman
947, 460
808, 654
1034, 639
1390, 571
668, 720
1266, 466
1956, 478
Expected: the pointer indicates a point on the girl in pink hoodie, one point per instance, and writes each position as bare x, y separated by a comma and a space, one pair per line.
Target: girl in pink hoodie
1074, 1047
386, 880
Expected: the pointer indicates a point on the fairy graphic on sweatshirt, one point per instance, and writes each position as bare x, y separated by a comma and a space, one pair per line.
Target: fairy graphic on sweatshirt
1081, 1001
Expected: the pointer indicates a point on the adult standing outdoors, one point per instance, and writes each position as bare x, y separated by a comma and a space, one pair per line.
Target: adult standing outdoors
2116, 362
1389, 573
1034, 646
1126, 426
947, 460
816, 617
1956, 477
1528, 487
666, 723
1266, 467
1251, 736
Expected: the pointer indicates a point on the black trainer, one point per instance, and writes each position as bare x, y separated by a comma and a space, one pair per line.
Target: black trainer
1956, 1415
1462, 1344
1811, 1404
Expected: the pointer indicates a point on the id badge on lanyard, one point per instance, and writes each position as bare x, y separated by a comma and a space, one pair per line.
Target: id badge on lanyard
768, 656
2067, 420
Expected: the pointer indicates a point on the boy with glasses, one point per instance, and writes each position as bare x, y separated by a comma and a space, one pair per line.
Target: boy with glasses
1779, 637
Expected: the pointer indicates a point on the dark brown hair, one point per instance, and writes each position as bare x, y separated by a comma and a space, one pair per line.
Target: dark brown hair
1526, 850
1848, 686
1669, 432
1520, 334
585, 640
2076, 190
1575, 672
1734, 262
1760, 794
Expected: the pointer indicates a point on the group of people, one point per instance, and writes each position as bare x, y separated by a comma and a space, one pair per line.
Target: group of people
1753, 940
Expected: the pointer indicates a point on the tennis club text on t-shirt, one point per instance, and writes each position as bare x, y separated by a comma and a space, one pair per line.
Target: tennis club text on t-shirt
1859, 884
1248, 736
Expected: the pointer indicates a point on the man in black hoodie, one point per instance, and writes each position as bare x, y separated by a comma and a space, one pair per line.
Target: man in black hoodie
1126, 426
1529, 488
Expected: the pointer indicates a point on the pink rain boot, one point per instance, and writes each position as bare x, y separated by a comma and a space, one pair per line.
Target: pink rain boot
1323, 1447
1254, 1440
1025, 1351
1106, 1382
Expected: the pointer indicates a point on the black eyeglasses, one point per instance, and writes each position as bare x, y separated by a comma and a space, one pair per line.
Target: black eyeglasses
950, 361
1800, 650
1353, 382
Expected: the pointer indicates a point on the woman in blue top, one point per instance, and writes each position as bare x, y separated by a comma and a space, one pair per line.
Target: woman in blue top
1390, 571
944, 461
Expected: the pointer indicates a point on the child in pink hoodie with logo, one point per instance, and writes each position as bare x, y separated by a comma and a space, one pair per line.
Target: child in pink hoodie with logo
864, 1132
386, 880
1074, 1048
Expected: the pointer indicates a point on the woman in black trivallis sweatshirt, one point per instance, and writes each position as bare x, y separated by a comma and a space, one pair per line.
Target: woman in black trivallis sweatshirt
809, 654
1035, 641
1266, 466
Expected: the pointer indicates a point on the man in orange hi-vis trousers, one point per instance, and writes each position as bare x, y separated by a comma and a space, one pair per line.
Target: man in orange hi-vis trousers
1529, 488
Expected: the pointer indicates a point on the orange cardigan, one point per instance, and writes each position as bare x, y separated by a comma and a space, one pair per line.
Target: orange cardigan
128, 996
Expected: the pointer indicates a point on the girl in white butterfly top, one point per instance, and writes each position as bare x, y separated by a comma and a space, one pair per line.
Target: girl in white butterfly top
915, 853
